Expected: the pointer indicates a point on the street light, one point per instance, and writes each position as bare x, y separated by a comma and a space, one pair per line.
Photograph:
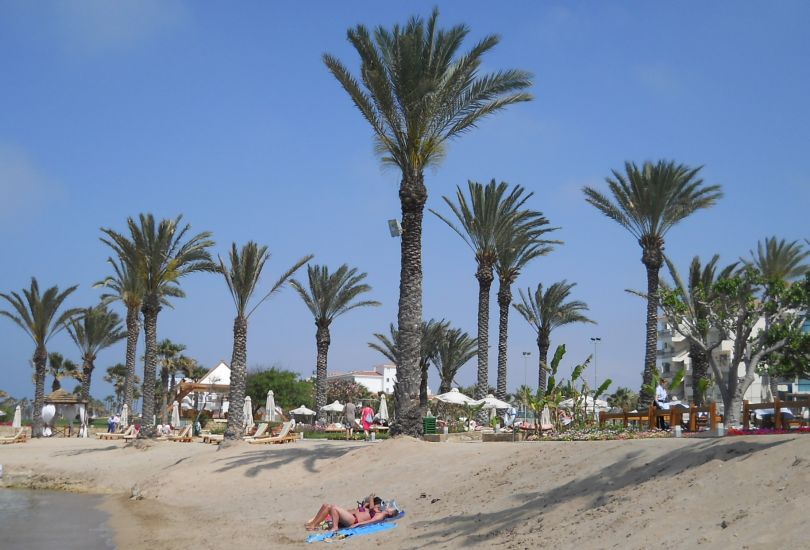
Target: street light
595, 341
526, 355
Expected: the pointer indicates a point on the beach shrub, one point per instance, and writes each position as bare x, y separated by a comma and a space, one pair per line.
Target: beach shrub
289, 391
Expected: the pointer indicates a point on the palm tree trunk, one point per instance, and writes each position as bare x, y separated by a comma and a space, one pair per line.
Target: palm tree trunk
652, 258
164, 394
87, 375
133, 328
504, 301
423, 385
40, 359
543, 343
151, 308
700, 371
322, 341
236, 396
445, 386
408, 413
484, 276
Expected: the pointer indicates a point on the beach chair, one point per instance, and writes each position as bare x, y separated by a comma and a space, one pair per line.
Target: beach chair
284, 436
185, 436
20, 437
261, 431
120, 435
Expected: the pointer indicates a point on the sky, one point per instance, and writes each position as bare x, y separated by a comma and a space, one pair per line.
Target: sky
227, 116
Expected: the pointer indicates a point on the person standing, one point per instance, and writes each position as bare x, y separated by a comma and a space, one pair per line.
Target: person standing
350, 411
661, 397
367, 419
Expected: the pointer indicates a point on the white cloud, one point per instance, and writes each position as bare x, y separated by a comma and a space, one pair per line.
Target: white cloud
24, 188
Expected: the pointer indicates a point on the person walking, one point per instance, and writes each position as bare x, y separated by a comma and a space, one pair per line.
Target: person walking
367, 419
350, 419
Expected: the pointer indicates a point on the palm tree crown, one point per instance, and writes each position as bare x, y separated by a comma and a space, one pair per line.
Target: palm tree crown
779, 259
546, 310
455, 349
96, 329
59, 368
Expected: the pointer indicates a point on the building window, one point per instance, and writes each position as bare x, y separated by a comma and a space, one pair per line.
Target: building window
666, 368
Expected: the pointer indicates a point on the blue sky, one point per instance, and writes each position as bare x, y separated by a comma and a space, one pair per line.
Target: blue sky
229, 117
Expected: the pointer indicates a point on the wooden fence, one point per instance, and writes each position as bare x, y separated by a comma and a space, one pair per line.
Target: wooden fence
698, 416
778, 406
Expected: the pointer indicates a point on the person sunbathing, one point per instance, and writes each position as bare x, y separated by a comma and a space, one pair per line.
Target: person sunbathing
368, 512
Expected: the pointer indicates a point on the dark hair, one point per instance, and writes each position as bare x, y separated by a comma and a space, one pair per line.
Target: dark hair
377, 501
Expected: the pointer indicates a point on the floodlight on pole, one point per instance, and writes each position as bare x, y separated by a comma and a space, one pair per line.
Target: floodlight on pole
394, 228
595, 341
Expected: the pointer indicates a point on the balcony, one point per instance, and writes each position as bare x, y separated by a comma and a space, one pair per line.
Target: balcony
664, 352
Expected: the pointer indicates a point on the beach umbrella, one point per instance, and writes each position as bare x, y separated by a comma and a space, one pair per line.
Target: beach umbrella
175, 414
248, 411
303, 411
125, 415
455, 397
383, 412
17, 423
83, 420
491, 402
333, 407
270, 407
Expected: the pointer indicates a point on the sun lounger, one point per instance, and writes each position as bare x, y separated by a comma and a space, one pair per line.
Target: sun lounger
119, 435
284, 436
185, 436
261, 431
20, 437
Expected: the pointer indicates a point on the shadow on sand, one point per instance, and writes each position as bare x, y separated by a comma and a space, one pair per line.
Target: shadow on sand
276, 456
469, 529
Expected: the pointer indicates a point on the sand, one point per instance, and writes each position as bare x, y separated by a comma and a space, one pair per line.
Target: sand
740, 492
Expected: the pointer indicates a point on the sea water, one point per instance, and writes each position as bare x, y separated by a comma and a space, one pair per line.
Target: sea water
51, 519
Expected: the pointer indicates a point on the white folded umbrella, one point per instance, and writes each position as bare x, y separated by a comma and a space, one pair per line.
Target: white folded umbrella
455, 397
303, 411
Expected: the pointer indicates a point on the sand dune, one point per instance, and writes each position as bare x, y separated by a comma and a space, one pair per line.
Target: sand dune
740, 492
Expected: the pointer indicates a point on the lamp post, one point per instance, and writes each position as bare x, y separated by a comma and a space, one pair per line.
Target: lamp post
526, 355
595, 341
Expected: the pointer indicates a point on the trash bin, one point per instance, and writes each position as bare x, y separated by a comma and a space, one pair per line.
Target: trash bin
429, 425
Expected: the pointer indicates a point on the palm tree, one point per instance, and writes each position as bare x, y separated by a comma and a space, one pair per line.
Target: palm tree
431, 334
242, 276
96, 329
417, 93
780, 260
59, 368
648, 202
456, 348
623, 398
326, 297
168, 354
546, 311
127, 287
483, 219
517, 246
161, 255
696, 294
38, 315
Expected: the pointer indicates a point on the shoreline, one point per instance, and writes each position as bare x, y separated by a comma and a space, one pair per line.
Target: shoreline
629, 494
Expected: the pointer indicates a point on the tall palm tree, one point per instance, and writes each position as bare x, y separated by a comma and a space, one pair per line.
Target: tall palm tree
97, 328
455, 349
780, 259
546, 311
517, 245
168, 354
328, 296
489, 212
431, 335
38, 315
697, 292
60, 368
648, 202
417, 93
242, 275
161, 255
126, 286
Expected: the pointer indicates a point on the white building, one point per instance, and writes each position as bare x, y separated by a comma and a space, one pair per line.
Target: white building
381, 379
672, 354
212, 391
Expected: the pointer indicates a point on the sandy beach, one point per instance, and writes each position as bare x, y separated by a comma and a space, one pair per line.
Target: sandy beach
741, 492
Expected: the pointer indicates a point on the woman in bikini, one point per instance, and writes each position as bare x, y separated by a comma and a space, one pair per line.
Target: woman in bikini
366, 514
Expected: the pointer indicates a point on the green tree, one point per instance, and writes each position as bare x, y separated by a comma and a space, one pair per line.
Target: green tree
491, 211
328, 296
417, 93
696, 295
168, 355
161, 255
96, 329
546, 311
345, 391
623, 398
648, 202
242, 275
455, 349
126, 286
39, 317
288, 388
517, 245
60, 368
431, 334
